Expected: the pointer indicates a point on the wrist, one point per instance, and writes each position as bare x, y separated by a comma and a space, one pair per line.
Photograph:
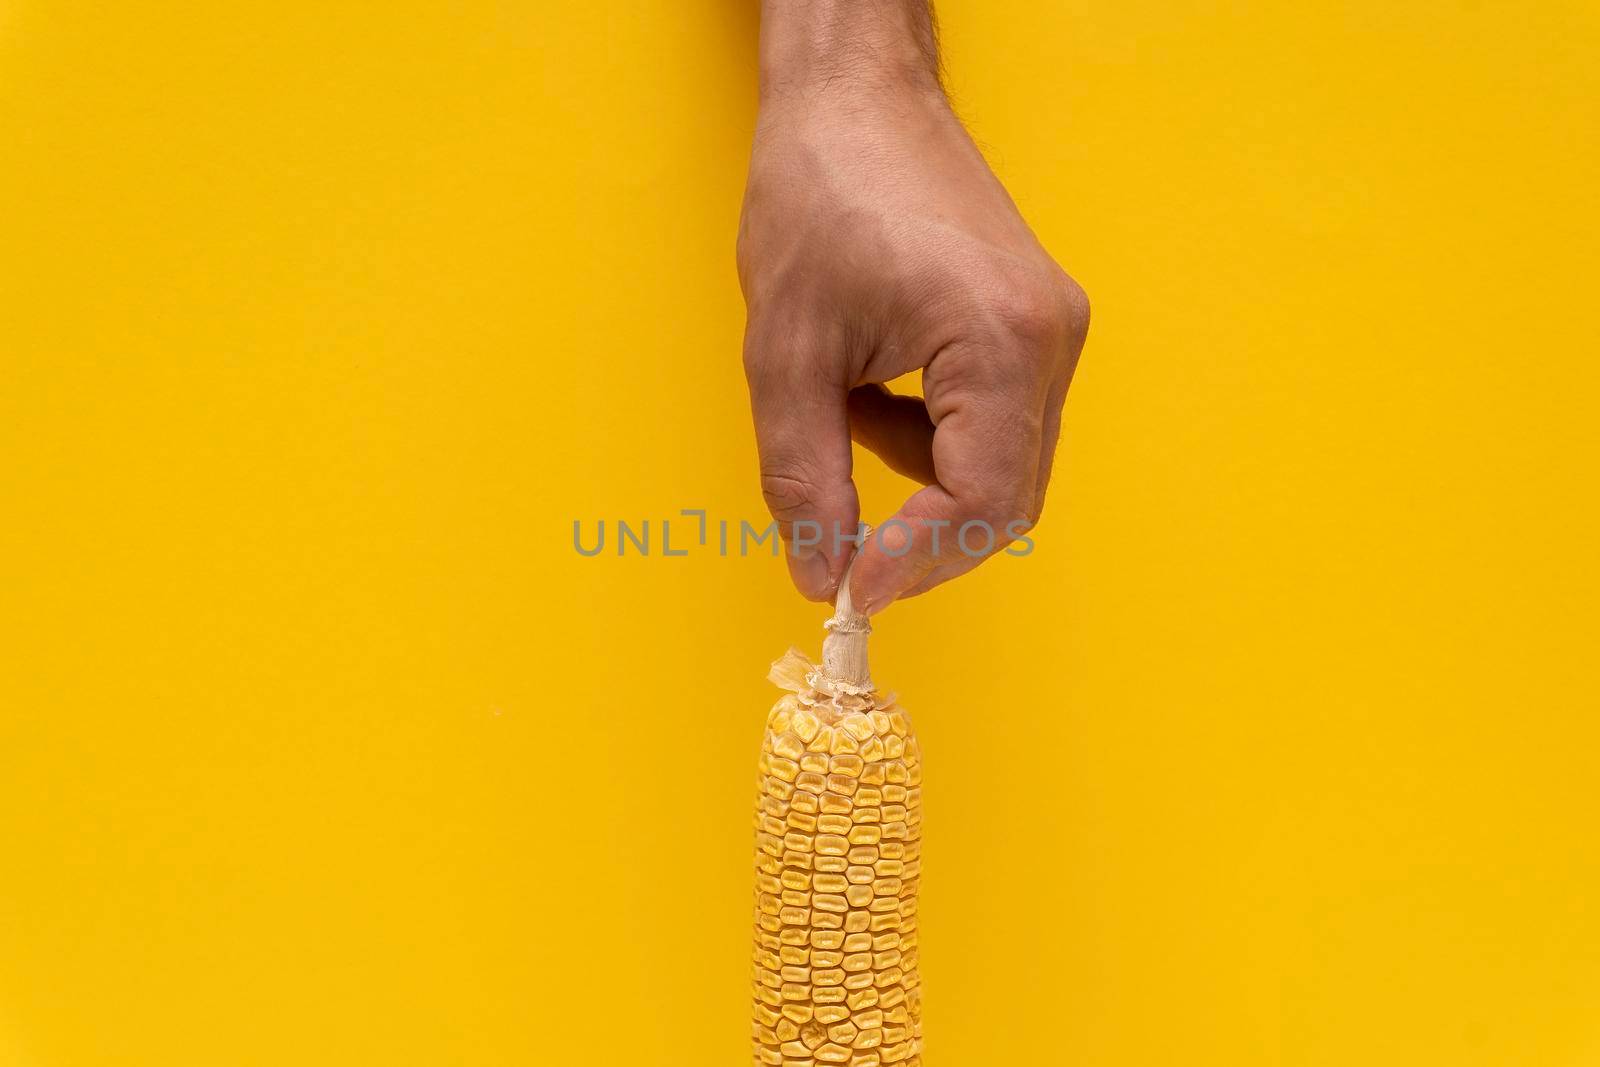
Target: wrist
848, 48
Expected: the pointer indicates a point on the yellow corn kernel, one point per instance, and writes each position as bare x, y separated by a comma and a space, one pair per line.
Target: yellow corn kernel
829, 883
780, 718
803, 723
856, 725
834, 804
829, 845
810, 781
828, 1014
849, 766
827, 939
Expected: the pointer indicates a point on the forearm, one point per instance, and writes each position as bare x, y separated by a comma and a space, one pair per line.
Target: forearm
811, 45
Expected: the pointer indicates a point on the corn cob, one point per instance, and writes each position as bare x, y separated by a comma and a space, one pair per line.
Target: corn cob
838, 843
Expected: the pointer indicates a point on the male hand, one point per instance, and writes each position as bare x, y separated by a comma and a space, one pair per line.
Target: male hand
876, 241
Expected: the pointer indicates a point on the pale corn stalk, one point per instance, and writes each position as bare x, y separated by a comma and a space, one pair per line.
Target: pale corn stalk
838, 843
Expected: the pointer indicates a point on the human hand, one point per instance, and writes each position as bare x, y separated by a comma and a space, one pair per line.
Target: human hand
876, 241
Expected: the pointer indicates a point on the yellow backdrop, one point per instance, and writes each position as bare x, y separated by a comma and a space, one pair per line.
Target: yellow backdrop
319, 744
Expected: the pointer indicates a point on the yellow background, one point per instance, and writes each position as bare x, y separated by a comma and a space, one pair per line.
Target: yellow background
319, 744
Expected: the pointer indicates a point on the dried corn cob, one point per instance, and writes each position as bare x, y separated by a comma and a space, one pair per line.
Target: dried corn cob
838, 841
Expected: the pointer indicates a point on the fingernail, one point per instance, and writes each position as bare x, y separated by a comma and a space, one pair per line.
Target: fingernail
812, 574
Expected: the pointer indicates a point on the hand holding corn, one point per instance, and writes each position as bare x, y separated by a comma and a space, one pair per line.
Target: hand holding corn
875, 241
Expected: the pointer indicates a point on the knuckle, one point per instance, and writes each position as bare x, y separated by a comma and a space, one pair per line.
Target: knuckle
787, 495
1044, 313
1075, 304
785, 352
1001, 512
1031, 312
758, 347
753, 363
1018, 515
